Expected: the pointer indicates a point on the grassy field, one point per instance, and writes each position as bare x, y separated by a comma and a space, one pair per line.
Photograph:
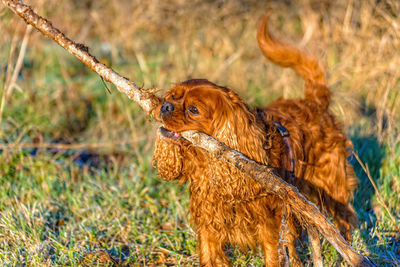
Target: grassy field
76, 181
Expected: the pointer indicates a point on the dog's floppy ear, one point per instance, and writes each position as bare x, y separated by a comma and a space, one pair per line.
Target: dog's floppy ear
237, 126
168, 159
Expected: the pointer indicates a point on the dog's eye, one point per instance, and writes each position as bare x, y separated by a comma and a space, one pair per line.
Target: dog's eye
173, 97
193, 110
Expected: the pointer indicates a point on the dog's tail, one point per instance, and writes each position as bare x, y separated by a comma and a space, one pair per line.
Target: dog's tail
304, 65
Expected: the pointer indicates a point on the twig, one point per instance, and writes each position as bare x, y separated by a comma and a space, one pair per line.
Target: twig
7, 75
20, 60
313, 236
378, 194
12, 82
64, 146
260, 173
283, 242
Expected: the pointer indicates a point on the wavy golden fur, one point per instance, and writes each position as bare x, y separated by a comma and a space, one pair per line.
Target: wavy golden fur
226, 206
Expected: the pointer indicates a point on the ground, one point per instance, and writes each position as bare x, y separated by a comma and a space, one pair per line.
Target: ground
76, 181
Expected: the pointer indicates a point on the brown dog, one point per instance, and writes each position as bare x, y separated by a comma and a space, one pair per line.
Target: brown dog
226, 206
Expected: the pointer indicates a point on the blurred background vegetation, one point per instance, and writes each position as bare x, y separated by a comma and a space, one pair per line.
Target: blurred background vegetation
76, 182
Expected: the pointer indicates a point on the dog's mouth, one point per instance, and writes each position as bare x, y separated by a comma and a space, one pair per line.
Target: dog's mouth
170, 134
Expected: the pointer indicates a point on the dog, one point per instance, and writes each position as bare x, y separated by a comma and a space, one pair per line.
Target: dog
227, 207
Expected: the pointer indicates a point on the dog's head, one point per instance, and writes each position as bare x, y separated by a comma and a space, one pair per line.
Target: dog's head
215, 110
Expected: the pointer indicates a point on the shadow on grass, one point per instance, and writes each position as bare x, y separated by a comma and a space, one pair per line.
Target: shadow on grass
382, 243
371, 155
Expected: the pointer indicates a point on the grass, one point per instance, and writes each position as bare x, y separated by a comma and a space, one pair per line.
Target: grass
76, 181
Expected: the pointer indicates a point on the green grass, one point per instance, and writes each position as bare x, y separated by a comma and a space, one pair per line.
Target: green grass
57, 212
92, 197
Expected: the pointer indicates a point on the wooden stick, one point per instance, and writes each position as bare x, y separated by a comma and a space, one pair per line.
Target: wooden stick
313, 236
260, 173
283, 241
61, 146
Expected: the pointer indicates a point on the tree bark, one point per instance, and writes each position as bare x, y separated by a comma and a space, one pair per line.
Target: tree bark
260, 173
283, 252
313, 237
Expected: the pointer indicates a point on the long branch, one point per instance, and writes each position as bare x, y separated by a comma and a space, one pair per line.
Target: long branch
148, 101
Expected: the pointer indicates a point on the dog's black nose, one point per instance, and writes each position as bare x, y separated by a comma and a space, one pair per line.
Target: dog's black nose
167, 107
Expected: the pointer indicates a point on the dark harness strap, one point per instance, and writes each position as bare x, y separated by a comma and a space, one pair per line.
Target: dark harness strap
285, 136
286, 139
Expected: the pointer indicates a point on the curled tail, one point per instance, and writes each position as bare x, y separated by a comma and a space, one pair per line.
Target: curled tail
304, 65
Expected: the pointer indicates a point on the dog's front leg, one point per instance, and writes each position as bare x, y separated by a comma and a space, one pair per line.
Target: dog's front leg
268, 238
211, 250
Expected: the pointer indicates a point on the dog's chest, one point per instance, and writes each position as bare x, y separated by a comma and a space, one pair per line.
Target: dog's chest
225, 198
